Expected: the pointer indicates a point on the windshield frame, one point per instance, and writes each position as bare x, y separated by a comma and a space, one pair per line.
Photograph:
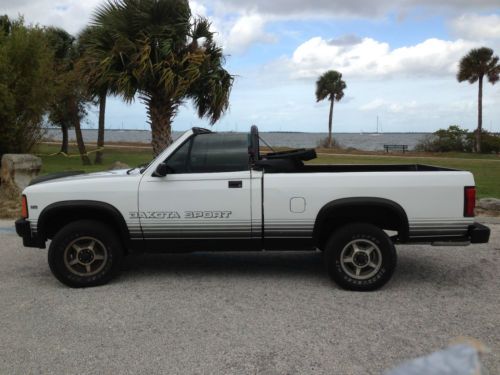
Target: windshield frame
151, 167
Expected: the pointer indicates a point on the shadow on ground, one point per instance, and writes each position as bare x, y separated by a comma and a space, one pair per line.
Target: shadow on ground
414, 267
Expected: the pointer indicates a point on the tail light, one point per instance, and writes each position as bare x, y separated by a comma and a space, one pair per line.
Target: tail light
24, 207
469, 201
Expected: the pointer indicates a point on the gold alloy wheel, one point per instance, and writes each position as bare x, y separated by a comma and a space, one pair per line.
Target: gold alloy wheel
361, 259
85, 256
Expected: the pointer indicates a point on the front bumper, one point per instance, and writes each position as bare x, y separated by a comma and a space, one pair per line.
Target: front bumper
23, 230
478, 233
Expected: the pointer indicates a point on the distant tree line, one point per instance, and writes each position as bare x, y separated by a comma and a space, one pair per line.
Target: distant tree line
456, 139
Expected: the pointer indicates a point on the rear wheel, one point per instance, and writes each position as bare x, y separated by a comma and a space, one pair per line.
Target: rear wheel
360, 257
85, 253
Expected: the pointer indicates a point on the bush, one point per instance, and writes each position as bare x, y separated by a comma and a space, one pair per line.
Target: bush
323, 143
444, 140
25, 85
490, 142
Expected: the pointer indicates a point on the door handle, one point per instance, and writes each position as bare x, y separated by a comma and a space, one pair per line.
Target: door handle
235, 184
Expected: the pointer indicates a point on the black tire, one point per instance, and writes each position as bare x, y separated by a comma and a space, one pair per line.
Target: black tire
103, 258
363, 248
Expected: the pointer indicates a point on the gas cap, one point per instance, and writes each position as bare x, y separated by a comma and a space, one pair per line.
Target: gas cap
297, 205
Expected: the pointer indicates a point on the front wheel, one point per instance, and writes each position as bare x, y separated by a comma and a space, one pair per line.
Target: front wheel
360, 257
85, 253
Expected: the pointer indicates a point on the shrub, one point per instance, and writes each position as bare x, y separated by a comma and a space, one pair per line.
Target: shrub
444, 140
490, 142
25, 85
323, 143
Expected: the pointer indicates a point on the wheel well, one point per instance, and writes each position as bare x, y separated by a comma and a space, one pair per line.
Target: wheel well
382, 213
55, 217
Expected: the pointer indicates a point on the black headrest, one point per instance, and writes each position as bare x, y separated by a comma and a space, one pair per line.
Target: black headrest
253, 147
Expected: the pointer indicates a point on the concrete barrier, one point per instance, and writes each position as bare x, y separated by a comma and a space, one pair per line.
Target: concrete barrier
490, 204
17, 171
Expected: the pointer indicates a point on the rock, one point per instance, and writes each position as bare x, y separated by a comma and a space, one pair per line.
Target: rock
490, 204
462, 359
17, 171
118, 165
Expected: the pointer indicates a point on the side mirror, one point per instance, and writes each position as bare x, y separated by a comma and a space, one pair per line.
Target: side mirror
161, 170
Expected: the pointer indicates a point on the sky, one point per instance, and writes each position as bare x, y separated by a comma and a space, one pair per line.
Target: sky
398, 58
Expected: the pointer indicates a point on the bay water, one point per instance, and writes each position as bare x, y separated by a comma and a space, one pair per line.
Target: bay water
360, 141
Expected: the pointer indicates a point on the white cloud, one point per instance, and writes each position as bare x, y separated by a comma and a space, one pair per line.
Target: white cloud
248, 29
372, 58
72, 15
197, 9
390, 106
356, 8
477, 27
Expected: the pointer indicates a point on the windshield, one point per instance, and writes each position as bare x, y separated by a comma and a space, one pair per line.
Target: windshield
172, 146
168, 150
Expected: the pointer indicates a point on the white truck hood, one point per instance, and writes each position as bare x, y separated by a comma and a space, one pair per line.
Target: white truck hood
78, 176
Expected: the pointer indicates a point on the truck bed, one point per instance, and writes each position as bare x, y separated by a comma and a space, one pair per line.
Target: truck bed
338, 168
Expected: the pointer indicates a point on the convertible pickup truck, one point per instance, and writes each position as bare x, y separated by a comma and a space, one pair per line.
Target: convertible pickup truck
218, 192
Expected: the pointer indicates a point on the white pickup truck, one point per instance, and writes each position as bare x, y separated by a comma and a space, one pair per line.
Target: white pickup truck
216, 191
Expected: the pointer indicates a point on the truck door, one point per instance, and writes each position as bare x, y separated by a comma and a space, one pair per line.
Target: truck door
206, 194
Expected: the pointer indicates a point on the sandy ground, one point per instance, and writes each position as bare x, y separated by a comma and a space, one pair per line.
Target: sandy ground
243, 313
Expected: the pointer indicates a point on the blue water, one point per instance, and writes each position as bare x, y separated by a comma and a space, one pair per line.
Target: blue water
360, 141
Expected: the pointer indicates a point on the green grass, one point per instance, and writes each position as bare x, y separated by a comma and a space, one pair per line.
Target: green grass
486, 168
59, 163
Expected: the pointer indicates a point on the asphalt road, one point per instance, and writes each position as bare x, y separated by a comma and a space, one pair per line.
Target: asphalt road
243, 313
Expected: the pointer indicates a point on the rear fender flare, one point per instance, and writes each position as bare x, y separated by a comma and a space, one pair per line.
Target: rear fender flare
329, 210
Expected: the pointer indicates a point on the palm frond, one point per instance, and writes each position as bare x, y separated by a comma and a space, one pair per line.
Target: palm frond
478, 62
330, 85
155, 49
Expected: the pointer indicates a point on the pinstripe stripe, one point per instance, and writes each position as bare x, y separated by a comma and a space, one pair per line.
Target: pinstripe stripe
274, 228
438, 227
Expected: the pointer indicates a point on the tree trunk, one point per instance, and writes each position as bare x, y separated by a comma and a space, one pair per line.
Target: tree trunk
479, 129
160, 112
64, 144
100, 132
79, 136
330, 120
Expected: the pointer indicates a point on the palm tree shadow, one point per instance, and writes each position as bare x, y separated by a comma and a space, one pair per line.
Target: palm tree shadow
232, 264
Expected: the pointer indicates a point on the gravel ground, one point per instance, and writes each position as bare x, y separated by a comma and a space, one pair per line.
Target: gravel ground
243, 313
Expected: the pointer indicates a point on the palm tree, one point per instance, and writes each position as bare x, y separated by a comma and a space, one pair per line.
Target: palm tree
69, 105
473, 67
61, 43
330, 85
162, 55
98, 87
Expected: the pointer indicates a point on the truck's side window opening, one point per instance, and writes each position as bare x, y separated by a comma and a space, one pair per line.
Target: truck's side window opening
218, 152
213, 152
178, 162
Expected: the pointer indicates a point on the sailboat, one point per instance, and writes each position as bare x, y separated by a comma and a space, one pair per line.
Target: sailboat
375, 134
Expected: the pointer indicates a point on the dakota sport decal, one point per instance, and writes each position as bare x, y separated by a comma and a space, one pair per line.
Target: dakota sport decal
176, 215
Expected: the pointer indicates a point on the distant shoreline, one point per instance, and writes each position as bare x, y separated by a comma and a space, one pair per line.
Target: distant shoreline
261, 131
366, 141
